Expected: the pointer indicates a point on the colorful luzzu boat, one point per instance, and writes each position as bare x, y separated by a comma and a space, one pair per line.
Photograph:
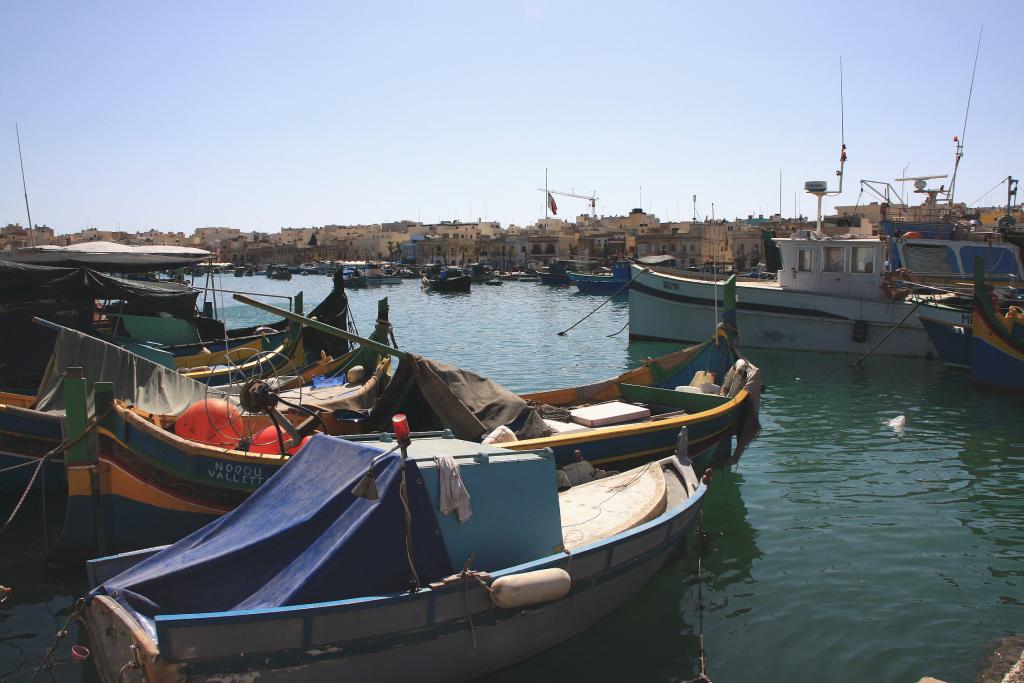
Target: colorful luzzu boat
148, 472
997, 344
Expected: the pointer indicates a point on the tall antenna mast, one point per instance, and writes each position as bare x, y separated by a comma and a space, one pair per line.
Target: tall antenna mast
963, 133
819, 188
24, 187
545, 194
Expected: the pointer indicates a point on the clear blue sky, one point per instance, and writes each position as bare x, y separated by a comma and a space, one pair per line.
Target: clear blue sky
265, 114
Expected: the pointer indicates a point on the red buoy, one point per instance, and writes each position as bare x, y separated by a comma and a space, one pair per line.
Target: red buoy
265, 441
214, 422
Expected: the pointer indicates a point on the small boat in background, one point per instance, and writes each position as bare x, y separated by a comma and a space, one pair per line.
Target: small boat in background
556, 273
355, 278
361, 591
279, 272
480, 272
446, 279
377, 276
603, 283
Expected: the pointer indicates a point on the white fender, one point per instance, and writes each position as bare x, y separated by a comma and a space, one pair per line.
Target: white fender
356, 374
530, 588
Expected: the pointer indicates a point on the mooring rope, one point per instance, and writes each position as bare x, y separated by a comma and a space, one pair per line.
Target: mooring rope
619, 332
859, 365
47, 661
702, 677
617, 292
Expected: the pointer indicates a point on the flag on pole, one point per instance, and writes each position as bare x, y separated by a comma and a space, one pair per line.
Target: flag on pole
552, 205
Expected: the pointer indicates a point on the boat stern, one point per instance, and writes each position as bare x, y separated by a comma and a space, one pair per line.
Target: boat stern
121, 649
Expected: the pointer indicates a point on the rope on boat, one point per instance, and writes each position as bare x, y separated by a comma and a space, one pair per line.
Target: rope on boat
47, 661
702, 677
859, 365
465, 575
64, 445
617, 292
403, 491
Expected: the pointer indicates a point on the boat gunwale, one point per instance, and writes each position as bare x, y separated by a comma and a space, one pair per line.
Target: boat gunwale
632, 428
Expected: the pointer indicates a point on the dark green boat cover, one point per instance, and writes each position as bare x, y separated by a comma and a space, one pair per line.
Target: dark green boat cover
22, 282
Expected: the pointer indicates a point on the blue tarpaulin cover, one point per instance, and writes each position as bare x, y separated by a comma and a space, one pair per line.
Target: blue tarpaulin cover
301, 538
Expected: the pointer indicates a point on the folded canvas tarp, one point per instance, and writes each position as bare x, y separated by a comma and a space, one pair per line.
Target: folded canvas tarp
148, 385
22, 282
302, 537
439, 396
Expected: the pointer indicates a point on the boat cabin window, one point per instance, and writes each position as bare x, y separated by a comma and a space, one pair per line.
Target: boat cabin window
804, 261
863, 260
834, 258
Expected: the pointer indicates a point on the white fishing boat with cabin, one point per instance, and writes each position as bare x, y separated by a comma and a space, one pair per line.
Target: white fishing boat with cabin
831, 295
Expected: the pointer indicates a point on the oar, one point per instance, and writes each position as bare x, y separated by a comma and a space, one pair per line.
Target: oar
323, 327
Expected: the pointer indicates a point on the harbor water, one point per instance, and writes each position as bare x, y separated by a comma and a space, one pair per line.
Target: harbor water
843, 547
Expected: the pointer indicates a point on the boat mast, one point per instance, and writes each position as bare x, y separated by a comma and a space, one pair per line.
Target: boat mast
819, 188
24, 188
960, 141
545, 194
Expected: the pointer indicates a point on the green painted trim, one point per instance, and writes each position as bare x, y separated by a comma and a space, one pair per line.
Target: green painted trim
76, 411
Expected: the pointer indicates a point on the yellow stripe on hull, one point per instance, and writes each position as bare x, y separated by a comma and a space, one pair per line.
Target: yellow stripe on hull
236, 354
633, 429
117, 481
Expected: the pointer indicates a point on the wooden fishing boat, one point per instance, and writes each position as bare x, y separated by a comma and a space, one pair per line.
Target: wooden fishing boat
31, 425
432, 395
335, 603
450, 279
997, 344
556, 273
176, 484
601, 283
155, 486
279, 272
94, 302
355, 278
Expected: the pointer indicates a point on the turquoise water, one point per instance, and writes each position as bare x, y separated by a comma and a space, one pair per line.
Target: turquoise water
839, 549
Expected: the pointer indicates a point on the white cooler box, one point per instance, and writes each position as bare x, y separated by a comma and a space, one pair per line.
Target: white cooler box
612, 413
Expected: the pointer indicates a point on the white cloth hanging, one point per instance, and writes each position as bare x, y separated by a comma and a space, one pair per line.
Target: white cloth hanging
454, 496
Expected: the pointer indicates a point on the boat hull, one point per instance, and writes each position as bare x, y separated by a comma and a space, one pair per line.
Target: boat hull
665, 307
462, 284
599, 284
555, 279
997, 353
387, 638
952, 342
26, 435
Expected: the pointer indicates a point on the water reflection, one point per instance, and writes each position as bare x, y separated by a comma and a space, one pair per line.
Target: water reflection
655, 636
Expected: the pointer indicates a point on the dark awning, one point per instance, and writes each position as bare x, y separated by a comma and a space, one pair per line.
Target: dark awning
23, 282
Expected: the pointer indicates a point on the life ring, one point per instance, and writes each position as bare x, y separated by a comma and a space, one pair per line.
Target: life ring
895, 284
912, 235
